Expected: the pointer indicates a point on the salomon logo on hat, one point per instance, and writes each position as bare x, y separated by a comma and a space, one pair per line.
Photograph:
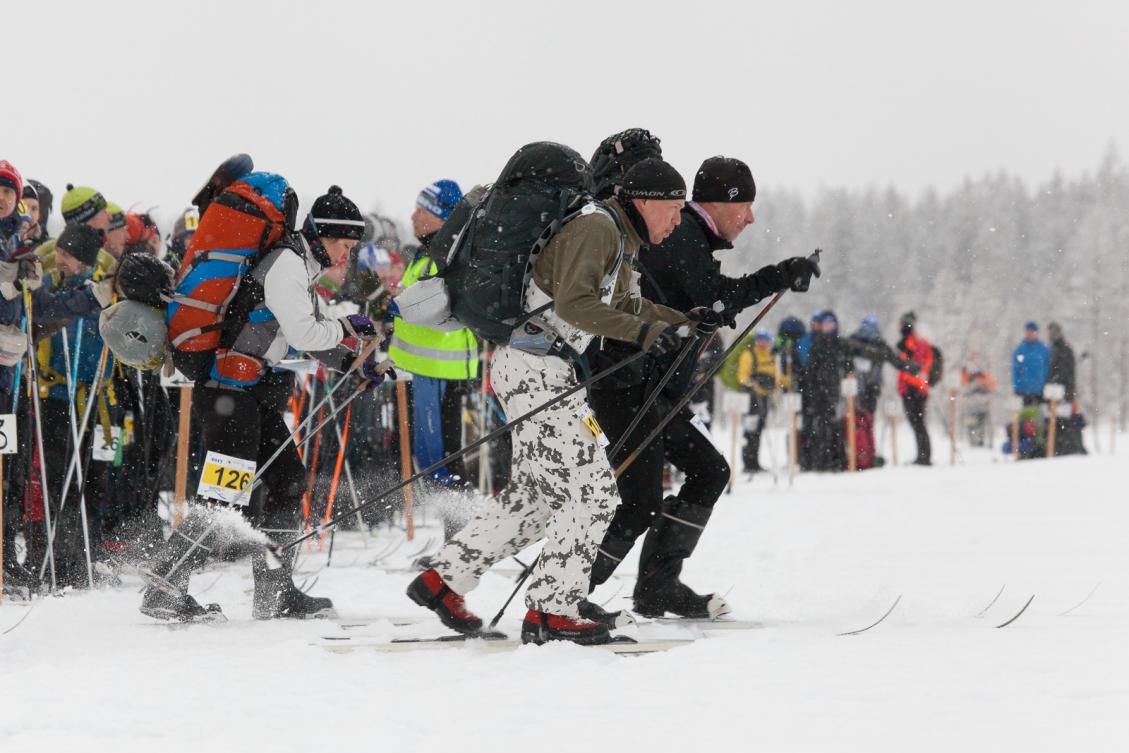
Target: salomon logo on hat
440, 198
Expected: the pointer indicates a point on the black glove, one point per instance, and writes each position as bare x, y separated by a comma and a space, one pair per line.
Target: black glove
667, 342
913, 368
706, 319
796, 273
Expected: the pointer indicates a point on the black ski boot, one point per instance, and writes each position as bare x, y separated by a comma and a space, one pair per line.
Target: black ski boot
19, 582
593, 612
542, 627
670, 541
276, 595
611, 552
168, 574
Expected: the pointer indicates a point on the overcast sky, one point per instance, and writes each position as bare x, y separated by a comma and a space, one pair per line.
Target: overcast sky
142, 99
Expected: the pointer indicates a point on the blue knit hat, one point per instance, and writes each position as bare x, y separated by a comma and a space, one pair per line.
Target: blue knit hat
440, 198
763, 334
1031, 325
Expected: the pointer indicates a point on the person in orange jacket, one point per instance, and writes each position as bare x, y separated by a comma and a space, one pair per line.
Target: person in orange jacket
914, 388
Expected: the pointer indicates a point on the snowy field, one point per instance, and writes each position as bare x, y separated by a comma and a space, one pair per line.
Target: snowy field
830, 554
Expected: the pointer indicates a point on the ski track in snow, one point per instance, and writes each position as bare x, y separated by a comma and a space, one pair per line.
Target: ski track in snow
87, 672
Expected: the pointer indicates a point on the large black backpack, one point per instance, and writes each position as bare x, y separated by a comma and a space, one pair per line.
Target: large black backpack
487, 249
617, 154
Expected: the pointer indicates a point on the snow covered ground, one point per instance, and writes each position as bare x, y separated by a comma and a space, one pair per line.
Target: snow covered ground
88, 673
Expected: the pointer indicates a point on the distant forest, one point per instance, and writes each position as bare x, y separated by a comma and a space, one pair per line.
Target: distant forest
975, 264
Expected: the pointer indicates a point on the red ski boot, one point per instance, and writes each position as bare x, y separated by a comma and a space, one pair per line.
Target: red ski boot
429, 590
542, 627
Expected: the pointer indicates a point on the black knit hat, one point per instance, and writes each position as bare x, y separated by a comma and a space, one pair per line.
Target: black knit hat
724, 179
82, 242
335, 216
653, 179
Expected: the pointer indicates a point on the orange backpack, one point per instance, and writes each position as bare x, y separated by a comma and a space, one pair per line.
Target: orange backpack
242, 222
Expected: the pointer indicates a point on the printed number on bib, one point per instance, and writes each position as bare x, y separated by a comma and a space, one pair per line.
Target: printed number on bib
104, 452
226, 478
588, 419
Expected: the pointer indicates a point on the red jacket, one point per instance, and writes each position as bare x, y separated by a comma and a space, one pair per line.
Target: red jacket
916, 349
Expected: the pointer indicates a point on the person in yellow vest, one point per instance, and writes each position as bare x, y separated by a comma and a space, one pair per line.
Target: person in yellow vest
441, 363
756, 371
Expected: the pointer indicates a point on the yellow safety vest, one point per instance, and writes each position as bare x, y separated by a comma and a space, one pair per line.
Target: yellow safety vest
429, 352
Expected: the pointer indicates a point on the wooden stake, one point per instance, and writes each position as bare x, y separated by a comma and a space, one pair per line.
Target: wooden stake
852, 440
1052, 429
2, 528
180, 489
405, 454
734, 419
952, 427
894, 440
794, 442
1015, 437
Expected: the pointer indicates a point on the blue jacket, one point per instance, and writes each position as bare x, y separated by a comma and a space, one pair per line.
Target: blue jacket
91, 351
1029, 365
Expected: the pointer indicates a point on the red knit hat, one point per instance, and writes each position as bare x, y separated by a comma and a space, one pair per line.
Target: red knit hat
10, 177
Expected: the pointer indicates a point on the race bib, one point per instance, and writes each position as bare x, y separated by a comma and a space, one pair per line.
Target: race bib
700, 425
589, 420
105, 452
226, 478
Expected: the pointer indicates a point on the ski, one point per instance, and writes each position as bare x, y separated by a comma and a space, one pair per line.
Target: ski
1092, 592
880, 619
1018, 614
706, 623
344, 645
982, 612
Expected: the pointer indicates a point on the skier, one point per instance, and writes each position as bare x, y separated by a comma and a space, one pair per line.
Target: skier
756, 371
681, 272
562, 487
914, 387
1029, 364
240, 410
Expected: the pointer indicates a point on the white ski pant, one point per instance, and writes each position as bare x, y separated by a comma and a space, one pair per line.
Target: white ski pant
562, 489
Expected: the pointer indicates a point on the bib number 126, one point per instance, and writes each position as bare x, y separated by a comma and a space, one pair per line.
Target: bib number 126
226, 478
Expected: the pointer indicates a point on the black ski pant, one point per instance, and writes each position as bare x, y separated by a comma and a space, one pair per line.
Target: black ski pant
681, 442
755, 420
248, 424
825, 437
914, 403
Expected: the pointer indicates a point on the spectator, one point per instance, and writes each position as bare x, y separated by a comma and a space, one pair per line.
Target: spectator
1029, 364
1060, 370
914, 386
756, 370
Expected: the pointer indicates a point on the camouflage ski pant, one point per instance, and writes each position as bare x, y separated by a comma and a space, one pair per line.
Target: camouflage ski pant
561, 489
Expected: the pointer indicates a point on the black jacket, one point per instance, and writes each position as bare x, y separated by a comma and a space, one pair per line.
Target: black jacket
682, 272
1061, 368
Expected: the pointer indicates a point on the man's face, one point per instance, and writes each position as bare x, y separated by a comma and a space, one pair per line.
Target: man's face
32, 209
101, 221
424, 223
68, 265
730, 219
338, 248
1032, 335
661, 215
8, 201
115, 240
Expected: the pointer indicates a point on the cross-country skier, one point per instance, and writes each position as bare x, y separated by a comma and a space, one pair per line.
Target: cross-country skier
240, 408
562, 489
682, 273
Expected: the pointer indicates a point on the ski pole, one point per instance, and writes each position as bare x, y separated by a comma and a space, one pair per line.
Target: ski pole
654, 394
520, 582
685, 399
72, 391
33, 384
504, 429
73, 468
